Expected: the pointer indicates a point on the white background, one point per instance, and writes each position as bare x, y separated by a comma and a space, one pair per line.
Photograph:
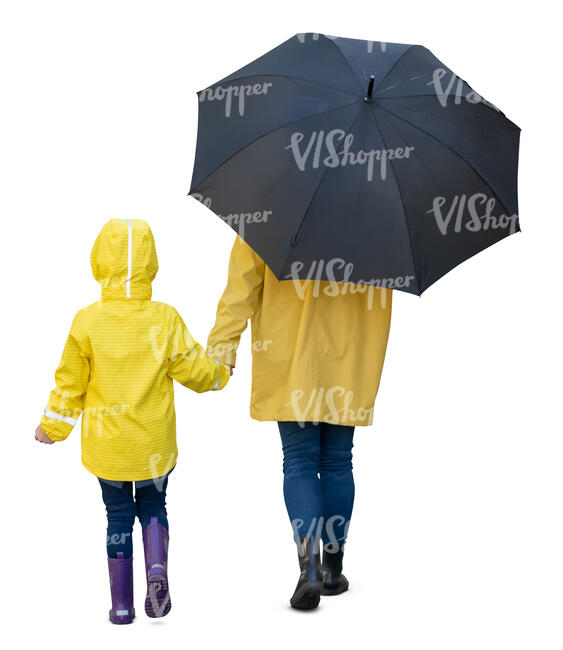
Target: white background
456, 540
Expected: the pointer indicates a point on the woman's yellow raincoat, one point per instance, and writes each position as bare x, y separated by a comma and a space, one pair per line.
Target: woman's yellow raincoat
119, 361
318, 347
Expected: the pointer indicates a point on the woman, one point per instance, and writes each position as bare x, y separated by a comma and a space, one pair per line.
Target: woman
318, 349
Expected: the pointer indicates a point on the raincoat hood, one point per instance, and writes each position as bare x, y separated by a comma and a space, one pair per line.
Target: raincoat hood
124, 260
119, 362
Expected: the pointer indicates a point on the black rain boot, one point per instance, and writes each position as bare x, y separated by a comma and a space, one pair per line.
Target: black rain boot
307, 594
334, 582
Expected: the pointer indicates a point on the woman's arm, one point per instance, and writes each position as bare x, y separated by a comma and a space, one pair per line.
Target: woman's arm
238, 303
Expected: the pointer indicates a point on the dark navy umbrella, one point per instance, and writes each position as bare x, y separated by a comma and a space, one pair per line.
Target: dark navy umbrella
356, 161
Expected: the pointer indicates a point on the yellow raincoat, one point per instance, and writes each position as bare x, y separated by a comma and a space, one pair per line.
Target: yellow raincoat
318, 347
119, 361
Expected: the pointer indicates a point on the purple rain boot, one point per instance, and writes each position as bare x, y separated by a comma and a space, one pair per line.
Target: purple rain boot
121, 586
155, 540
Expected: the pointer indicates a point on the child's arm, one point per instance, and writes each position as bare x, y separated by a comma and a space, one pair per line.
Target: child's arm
67, 398
189, 364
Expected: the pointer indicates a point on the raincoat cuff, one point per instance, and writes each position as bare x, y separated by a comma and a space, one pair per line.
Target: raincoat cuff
224, 376
225, 353
56, 429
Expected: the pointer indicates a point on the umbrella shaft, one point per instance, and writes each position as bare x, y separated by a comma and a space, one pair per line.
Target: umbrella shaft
367, 98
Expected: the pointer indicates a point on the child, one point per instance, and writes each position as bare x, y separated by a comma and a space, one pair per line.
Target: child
117, 368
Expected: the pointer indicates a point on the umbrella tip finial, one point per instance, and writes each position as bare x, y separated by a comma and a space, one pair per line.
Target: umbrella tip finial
367, 98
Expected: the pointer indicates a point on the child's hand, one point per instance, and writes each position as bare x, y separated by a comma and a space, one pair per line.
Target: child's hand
41, 436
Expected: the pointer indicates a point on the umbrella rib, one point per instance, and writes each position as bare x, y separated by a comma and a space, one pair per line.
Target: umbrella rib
393, 67
458, 155
263, 135
347, 63
287, 76
415, 265
484, 102
415, 154
431, 94
296, 234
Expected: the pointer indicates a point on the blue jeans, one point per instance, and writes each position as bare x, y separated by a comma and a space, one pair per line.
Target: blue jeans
318, 483
122, 506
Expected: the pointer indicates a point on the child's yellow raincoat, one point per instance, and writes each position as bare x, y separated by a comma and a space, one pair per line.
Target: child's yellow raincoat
119, 361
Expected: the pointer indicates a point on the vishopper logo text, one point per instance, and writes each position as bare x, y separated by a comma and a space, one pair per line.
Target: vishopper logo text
159, 469
444, 93
96, 414
472, 213
117, 539
206, 200
337, 283
227, 351
243, 218
338, 145
114, 282
183, 344
336, 400
318, 526
239, 219
62, 404
381, 45
229, 94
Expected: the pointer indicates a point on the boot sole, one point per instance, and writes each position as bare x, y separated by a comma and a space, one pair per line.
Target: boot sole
157, 601
338, 586
334, 592
308, 596
121, 620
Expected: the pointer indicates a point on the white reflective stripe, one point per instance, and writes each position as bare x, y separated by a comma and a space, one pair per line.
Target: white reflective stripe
129, 256
56, 416
219, 380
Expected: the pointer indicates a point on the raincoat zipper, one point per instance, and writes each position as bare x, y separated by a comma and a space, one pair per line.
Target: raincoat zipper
129, 256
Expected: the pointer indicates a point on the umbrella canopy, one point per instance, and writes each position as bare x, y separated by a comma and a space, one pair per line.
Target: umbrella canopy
356, 161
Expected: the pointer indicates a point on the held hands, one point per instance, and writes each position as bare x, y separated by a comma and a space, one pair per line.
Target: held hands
41, 436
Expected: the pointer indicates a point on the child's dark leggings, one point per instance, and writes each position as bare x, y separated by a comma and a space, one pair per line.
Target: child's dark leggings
122, 506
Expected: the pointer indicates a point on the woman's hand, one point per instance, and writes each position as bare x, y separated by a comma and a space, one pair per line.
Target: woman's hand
41, 436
